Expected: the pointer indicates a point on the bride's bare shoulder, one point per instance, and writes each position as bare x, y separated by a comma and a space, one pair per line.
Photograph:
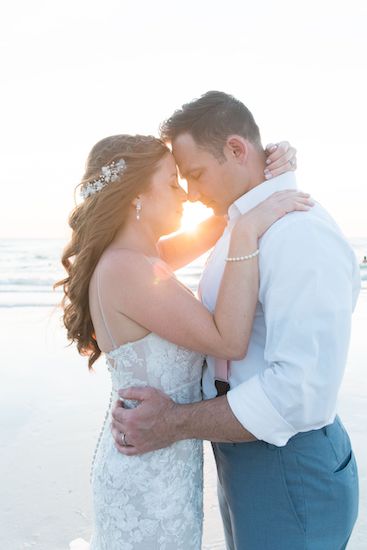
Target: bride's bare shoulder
133, 264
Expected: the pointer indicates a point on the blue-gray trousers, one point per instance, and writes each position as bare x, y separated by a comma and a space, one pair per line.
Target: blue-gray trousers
303, 496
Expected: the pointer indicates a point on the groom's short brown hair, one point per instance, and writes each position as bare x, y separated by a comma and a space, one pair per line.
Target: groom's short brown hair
210, 120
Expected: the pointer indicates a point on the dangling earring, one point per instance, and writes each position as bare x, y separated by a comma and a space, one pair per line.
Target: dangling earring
138, 209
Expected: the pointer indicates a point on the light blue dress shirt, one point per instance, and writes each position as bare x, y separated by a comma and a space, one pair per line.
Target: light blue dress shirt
309, 284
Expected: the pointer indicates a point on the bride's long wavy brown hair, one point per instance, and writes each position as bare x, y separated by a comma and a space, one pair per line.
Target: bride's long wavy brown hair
96, 221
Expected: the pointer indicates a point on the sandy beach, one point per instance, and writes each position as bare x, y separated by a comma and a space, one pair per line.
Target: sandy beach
51, 414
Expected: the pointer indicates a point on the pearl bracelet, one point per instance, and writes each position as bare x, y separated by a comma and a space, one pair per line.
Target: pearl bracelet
241, 258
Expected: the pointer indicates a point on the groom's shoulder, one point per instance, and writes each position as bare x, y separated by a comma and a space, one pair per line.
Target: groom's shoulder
316, 224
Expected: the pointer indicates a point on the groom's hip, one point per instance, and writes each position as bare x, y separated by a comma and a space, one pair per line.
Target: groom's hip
281, 497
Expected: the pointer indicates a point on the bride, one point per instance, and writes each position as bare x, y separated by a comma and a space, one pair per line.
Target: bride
131, 197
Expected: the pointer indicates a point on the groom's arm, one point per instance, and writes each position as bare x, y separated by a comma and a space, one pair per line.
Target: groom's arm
158, 422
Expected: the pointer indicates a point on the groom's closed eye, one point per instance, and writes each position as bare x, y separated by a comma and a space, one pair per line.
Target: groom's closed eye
195, 175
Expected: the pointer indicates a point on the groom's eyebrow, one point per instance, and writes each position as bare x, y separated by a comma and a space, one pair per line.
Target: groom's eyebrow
185, 175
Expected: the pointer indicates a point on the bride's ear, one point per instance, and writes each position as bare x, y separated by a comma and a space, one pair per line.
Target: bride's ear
136, 201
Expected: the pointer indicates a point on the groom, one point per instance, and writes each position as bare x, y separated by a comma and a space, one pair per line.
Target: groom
287, 476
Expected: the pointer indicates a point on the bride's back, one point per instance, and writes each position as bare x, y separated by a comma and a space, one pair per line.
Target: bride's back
112, 328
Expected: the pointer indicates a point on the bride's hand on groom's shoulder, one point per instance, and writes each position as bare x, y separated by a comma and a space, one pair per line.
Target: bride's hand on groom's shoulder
280, 157
259, 219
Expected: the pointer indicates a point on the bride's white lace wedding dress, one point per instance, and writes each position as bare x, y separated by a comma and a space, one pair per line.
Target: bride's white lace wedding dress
152, 501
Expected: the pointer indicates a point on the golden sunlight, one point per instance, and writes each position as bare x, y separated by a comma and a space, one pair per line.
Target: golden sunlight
194, 213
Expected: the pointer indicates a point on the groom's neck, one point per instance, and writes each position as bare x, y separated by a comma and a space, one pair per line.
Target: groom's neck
254, 175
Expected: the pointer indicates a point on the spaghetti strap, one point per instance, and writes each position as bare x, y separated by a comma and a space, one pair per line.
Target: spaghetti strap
102, 312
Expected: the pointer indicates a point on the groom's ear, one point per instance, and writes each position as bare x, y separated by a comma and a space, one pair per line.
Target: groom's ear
237, 148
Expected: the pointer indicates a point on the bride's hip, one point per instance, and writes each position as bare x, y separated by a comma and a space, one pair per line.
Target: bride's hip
180, 450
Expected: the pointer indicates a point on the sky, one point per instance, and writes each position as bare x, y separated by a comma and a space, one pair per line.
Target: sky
73, 72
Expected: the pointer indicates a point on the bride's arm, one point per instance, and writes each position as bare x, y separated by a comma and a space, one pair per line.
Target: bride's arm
148, 294
183, 248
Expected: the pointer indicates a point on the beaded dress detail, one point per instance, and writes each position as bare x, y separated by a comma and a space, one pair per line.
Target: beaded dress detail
151, 501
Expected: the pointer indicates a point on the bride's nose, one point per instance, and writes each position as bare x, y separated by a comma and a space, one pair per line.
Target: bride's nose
184, 196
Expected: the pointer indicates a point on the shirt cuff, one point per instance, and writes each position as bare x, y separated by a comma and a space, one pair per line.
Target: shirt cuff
253, 409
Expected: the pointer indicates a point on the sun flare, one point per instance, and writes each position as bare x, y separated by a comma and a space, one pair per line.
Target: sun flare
194, 213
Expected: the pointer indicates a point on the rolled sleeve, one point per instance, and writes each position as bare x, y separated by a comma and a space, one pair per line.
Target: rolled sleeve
257, 414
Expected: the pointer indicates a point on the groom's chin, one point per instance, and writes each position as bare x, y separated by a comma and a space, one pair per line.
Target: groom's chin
218, 210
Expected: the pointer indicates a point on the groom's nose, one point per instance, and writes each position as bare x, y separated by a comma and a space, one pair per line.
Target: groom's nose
193, 194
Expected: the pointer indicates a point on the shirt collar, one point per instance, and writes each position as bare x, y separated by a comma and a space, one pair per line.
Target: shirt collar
261, 192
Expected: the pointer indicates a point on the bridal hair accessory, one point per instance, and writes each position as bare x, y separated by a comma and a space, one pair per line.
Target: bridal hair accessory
242, 258
109, 173
138, 209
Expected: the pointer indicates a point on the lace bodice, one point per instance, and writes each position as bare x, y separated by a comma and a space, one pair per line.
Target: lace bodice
153, 361
153, 500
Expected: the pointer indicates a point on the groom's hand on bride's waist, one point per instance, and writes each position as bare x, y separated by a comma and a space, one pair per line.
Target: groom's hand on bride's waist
147, 427
158, 421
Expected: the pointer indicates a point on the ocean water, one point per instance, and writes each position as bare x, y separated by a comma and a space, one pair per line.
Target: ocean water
30, 267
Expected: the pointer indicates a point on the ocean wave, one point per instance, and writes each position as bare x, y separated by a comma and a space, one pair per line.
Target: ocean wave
28, 282
29, 304
30, 290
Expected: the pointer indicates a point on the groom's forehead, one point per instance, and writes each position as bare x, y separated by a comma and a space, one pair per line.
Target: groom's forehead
185, 146
188, 155
184, 164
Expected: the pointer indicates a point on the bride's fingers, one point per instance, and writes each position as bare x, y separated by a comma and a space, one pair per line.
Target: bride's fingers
270, 173
275, 150
275, 162
289, 194
286, 202
300, 204
275, 167
306, 198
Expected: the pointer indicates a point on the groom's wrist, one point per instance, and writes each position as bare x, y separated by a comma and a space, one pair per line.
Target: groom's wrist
183, 421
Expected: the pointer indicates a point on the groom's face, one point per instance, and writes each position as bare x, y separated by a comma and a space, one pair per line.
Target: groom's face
209, 180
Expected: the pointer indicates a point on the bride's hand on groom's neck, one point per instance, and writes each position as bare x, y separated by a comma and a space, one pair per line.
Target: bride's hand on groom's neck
280, 158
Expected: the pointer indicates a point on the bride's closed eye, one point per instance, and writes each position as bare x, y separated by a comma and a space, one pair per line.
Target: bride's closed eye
176, 185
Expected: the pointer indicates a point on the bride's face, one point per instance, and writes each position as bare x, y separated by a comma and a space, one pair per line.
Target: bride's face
162, 204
